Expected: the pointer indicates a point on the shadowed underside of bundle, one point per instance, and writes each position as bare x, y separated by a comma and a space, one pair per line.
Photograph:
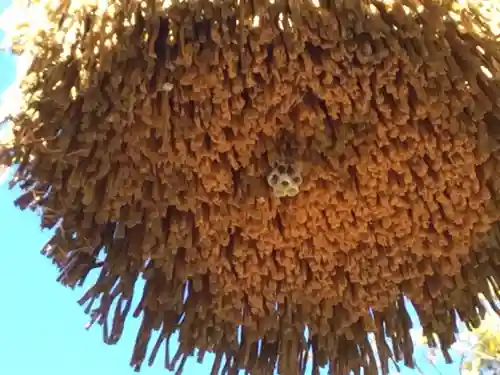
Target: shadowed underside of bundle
267, 167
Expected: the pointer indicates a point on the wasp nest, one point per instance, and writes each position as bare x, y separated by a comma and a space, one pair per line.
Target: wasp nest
285, 179
145, 141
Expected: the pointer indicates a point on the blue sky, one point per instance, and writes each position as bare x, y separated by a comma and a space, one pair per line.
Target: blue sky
42, 324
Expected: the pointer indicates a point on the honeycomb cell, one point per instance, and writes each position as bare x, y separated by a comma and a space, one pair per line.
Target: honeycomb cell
285, 179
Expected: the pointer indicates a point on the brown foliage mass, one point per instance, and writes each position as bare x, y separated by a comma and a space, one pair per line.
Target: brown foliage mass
307, 171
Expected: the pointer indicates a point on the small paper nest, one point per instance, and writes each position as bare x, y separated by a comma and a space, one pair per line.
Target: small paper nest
267, 168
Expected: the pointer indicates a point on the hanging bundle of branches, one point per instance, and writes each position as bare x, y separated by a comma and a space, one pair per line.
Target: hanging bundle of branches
281, 173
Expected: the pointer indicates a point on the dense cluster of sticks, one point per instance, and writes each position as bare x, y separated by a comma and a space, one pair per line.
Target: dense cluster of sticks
148, 141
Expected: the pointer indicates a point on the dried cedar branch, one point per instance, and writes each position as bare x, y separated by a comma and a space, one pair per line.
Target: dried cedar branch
149, 136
